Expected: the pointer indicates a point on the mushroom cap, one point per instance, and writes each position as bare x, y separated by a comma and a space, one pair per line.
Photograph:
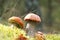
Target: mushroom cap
32, 17
39, 36
39, 33
17, 20
21, 37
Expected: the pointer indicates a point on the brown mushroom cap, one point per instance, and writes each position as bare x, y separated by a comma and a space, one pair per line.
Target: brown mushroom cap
32, 17
17, 20
39, 36
39, 33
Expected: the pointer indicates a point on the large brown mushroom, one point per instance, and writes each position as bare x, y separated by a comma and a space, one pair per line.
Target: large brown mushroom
16, 21
32, 19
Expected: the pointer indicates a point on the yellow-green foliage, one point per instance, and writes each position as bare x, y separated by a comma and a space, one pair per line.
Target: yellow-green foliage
8, 33
52, 36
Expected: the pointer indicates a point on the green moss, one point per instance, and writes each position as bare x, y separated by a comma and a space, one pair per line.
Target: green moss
8, 33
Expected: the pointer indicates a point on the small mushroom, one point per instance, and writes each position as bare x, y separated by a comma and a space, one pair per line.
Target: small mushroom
39, 36
32, 19
21, 37
16, 21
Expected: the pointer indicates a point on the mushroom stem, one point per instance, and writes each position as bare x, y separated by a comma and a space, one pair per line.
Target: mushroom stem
30, 29
12, 26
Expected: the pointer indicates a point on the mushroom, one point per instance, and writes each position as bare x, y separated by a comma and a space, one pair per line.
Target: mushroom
32, 19
21, 37
39, 36
16, 21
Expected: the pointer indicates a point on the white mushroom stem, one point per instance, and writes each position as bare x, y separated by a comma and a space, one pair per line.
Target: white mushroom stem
12, 26
30, 29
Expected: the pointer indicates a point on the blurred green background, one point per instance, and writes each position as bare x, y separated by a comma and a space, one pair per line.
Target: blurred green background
50, 10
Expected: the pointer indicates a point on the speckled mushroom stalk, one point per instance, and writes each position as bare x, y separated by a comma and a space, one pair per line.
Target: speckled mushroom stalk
32, 19
30, 29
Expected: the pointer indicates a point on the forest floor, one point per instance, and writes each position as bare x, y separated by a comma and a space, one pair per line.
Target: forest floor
8, 33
